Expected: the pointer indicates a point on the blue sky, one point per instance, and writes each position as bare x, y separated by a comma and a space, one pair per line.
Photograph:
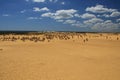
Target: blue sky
60, 15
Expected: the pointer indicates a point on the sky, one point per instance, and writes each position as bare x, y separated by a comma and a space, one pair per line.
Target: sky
60, 15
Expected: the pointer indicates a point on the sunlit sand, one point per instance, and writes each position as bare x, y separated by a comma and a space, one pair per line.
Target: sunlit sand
60, 56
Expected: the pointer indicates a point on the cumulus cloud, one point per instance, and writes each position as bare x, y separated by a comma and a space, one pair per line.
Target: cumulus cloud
77, 15
38, 1
60, 14
99, 9
105, 26
37, 9
49, 14
70, 22
115, 14
88, 15
108, 21
105, 15
78, 25
93, 20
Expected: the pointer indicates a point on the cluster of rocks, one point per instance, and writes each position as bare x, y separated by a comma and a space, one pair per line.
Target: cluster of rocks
35, 38
43, 37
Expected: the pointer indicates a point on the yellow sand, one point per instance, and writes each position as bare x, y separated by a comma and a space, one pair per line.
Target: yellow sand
96, 59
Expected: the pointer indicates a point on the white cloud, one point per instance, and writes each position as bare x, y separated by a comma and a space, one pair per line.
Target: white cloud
63, 3
37, 9
108, 21
105, 15
110, 26
60, 14
115, 14
98, 15
93, 20
23, 11
78, 25
49, 14
31, 18
60, 20
70, 22
118, 20
77, 15
100, 9
38, 1
106, 12
5, 15
53, 1
87, 16
44, 9
64, 14
74, 23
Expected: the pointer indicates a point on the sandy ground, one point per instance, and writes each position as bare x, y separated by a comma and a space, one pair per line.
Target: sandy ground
96, 59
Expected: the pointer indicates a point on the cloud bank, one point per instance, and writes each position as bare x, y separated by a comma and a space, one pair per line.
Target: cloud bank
97, 18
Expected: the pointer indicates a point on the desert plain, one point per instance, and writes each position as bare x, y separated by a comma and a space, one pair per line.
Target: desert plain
60, 56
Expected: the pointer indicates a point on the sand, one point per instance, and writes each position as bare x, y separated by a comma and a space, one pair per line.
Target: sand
97, 58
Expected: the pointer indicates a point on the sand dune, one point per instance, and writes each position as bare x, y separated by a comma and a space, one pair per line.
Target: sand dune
60, 56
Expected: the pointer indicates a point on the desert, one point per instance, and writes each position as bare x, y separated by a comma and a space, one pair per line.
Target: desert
60, 56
